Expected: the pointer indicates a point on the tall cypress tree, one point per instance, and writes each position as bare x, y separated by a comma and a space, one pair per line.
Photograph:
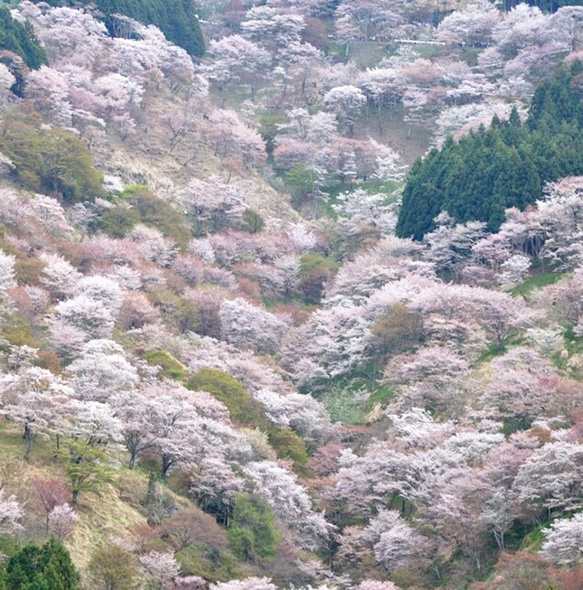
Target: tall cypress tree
21, 39
42, 568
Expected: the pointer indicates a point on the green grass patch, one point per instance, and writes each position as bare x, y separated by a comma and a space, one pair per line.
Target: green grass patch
169, 366
343, 407
573, 345
533, 541
537, 281
350, 401
382, 396
210, 563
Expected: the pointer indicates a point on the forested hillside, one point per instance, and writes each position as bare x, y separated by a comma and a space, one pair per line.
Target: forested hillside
177, 19
292, 301
20, 38
480, 176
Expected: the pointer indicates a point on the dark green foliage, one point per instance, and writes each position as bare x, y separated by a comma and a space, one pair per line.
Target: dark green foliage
160, 214
545, 5
484, 173
42, 568
169, 366
137, 204
289, 445
252, 221
51, 161
177, 19
252, 531
315, 271
242, 407
21, 39
85, 467
119, 221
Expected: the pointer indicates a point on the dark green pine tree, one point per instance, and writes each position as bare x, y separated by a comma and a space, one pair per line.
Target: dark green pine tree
20, 38
42, 568
479, 176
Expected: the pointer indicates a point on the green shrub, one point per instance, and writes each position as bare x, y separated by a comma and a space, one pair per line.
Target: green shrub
160, 214
21, 39
289, 445
51, 161
315, 271
119, 221
241, 406
169, 366
252, 221
252, 531
301, 182
85, 467
18, 331
42, 568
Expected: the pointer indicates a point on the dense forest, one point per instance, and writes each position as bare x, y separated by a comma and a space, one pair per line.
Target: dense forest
177, 19
296, 308
480, 176
546, 5
20, 38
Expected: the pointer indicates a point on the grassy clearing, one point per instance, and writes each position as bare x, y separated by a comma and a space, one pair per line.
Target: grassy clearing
356, 401
532, 542
537, 281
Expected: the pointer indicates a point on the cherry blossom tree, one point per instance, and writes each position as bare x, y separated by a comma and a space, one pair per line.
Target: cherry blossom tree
51, 493
161, 568
233, 141
563, 540
395, 542
290, 502
62, 520
59, 276
244, 325
347, 101
137, 414
248, 584
37, 400
6, 271
551, 478
11, 511
87, 315
101, 371
376, 585
232, 58
472, 26
515, 269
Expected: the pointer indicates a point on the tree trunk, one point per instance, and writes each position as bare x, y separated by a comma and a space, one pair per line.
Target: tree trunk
28, 436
